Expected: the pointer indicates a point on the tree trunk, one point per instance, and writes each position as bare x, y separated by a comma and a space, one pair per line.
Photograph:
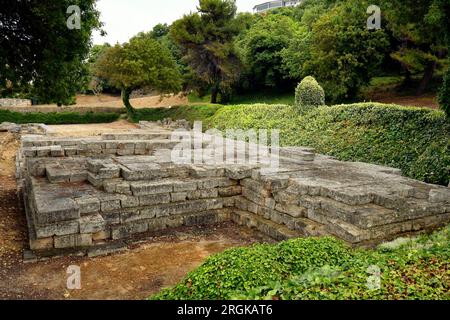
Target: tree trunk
126, 100
427, 76
214, 93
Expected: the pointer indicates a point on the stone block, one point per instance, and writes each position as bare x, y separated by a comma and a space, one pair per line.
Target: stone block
181, 186
88, 205
73, 241
101, 235
57, 229
92, 224
178, 196
110, 205
202, 194
440, 195
147, 188
154, 199
126, 230
129, 201
41, 244
55, 210
230, 191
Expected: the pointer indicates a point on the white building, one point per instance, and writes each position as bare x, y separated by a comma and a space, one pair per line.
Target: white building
275, 4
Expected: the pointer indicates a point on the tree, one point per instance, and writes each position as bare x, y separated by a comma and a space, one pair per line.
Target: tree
420, 27
36, 46
261, 48
141, 62
337, 49
206, 41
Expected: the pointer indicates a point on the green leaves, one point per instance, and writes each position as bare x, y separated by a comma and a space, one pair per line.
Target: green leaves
322, 268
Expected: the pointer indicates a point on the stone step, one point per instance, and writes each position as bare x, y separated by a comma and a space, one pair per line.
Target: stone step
270, 228
156, 135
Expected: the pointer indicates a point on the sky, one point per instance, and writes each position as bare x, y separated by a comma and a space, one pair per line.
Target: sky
125, 18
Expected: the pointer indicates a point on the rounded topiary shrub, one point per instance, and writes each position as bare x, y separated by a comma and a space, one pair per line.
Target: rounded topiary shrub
309, 94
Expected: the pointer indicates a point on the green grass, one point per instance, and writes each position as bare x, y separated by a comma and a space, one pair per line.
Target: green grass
323, 268
57, 117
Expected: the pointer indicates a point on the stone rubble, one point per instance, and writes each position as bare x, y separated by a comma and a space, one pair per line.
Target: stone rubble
85, 193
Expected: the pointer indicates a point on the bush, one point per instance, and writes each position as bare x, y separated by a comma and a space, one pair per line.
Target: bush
412, 139
444, 94
309, 94
57, 117
324, 268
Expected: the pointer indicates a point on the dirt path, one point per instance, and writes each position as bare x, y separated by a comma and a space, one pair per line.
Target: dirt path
91, 129
160, 261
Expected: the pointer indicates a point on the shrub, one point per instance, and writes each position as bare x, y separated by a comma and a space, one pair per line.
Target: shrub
444, 94
322, 268
57, 117
309, 94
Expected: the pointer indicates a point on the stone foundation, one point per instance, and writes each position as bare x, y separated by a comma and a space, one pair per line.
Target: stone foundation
82, 194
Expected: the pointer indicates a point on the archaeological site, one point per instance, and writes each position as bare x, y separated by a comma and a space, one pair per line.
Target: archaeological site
92, 195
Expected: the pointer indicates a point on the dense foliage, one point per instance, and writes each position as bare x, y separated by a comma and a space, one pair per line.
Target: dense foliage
57, 117
309, 94
37, 47
323, 268
205, 38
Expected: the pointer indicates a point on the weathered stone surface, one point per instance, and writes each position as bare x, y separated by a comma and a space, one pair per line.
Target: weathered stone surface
73, 241
92, 224
56, 210
57, 229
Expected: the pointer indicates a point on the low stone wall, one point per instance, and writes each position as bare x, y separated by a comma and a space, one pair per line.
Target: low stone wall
85, 193
15, 102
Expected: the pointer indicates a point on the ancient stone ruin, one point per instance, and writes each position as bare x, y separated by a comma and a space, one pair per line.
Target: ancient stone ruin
90, 194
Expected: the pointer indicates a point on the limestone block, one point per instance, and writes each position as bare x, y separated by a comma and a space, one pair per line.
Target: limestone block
95, 180
129, 201
55, 210
292, 210
154, 199
57, 229
92, 224
146, 188
253, 196
101, 235
178, 196
180, 186
41, 244
88, 205
109, 171
230, 191
73, 241
239, 173
126, 230
202, 194
107, 205
440, 195
56, 151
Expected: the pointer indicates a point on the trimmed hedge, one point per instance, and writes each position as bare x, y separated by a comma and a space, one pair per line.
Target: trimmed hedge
57, 117
309, 94
415, 140
325, 268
